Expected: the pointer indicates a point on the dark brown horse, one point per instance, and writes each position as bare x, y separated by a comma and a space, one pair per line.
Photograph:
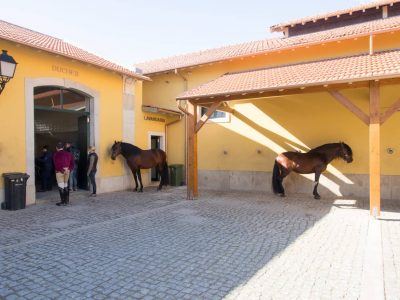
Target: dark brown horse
137, 159
314, 161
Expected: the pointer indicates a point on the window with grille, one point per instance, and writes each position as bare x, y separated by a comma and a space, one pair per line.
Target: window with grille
217, 116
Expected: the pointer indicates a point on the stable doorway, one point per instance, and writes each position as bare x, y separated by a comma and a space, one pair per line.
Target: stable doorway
156, 141
62, 115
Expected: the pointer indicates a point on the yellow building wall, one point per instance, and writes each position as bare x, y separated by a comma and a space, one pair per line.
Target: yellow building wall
144, 122
38, 64
261, 129
176, 143
249, 142
152, 123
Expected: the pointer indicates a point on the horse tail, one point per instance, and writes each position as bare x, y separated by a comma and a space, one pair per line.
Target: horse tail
165, 174
275, 179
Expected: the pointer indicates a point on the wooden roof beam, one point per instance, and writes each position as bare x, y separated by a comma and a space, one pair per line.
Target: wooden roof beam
390, 111
275, 93
224, 107
204, 118
350, 106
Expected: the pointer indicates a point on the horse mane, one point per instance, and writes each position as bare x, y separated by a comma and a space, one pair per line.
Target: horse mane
327, 147
324, 147
129, 149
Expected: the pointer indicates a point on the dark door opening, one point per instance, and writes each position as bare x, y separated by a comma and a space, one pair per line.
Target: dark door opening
155, 144
62, 115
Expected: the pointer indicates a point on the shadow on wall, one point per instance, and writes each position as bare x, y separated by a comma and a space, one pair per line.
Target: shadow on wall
311, 123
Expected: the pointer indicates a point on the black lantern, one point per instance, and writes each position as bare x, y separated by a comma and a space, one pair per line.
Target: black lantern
7, 69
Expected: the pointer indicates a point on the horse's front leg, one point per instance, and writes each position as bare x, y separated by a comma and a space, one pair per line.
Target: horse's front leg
140, 180
136, 181
316, 182
160, 171
284, 172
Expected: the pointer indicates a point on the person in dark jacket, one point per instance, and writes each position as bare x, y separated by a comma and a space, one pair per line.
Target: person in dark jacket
73, 176
45, 162
92, 169
63, 164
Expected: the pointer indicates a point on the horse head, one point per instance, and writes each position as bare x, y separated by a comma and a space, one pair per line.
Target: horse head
345, 152
116, 150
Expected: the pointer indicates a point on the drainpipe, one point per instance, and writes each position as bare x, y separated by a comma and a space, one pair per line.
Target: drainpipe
181, 108
371, 44
185, 81
185, 88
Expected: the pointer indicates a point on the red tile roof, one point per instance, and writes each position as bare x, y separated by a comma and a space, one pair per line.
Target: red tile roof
280, 27
54, 45
268, 45
333, 71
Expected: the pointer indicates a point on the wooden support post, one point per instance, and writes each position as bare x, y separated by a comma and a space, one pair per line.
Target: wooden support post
191, 136
374, 150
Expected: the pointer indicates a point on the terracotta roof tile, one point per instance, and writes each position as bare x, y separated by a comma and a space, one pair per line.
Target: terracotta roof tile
338, 70
54, 45
267, 45
279, 27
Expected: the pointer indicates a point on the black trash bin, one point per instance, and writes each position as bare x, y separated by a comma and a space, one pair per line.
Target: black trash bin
14, 190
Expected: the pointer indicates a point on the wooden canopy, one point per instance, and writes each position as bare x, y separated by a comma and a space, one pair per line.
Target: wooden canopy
218, 101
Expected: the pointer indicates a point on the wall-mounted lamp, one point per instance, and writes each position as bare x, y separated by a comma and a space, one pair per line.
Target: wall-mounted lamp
7, 69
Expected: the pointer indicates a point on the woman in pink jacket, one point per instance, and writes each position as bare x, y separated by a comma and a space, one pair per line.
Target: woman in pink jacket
63, 164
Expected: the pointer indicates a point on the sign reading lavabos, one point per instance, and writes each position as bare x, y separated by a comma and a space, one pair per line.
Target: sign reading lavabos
155, 119
64, 70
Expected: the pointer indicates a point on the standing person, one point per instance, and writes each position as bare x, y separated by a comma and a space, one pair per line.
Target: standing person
73, 178
63, 164
92, 169
45, 162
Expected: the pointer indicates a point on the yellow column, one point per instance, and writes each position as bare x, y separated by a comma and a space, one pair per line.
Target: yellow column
374, 150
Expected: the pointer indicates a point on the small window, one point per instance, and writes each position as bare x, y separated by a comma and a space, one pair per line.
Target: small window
217, 116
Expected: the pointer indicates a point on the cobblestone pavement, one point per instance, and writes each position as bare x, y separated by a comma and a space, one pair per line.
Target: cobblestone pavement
159, 246
390, 226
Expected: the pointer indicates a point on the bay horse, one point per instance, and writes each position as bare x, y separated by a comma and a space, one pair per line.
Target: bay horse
137, 159
314, 161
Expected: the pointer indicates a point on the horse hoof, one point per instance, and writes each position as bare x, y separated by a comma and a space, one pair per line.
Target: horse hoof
140, 191
317, 197
281, 195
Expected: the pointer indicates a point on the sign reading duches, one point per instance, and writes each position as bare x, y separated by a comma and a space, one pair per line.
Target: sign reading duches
64, 70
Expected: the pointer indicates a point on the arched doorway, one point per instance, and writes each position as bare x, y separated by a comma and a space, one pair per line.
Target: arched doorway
62, 114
